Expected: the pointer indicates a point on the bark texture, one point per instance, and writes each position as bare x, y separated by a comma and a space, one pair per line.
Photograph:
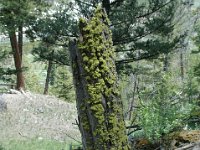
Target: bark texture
99, 107
20, 85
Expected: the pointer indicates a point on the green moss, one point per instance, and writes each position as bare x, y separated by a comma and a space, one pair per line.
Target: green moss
97, 54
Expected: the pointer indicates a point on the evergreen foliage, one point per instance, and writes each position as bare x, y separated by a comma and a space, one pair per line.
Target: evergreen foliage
14, 14
15, 17
6, 71
63, 86
49, 52
141, 29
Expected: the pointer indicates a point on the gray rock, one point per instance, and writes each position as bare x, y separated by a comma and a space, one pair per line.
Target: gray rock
13, 91
3, 104
197, 147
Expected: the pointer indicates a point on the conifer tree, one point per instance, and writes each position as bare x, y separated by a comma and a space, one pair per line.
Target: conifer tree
141, 29
15, 16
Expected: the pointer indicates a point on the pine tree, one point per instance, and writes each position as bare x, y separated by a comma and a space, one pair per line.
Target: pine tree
15, 16
141, 29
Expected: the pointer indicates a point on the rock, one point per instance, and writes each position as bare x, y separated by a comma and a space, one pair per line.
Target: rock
197, 147
3, 104
40, 110
12, 91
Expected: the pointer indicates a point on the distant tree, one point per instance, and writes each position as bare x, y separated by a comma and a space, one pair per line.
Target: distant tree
15, 17
50, 30
62, 86
47, 52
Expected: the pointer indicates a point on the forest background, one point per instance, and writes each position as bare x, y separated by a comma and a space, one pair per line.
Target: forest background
157, 56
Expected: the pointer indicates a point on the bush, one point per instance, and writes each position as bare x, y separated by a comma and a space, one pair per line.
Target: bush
164, 111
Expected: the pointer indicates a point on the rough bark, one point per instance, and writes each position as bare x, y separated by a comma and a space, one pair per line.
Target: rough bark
20, 41
20, 85
100, 118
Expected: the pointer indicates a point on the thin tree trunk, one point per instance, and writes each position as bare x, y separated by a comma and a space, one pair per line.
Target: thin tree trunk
182, 65
130, 111
166, 63
17, 60
106, 5
49, 69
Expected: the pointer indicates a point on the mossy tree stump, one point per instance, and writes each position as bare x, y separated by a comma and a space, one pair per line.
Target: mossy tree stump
100, 118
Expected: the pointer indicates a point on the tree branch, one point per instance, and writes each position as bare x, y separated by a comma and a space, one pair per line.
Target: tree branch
132, 39
133, 126
117, 2
154, 10
125, 61
88, 4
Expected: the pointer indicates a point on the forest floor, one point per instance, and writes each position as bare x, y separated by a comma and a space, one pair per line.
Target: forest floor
34, 116
37, 122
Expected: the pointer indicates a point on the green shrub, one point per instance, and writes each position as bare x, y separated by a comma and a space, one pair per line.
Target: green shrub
192, 92
164, 111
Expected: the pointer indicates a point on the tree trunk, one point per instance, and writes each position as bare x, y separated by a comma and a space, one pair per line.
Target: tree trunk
100, 118
17, 60
106, 5
46, 87
20, 40
166, 63
131, 104
182, 65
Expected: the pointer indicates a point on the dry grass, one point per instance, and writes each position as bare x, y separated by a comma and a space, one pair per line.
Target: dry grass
34, 116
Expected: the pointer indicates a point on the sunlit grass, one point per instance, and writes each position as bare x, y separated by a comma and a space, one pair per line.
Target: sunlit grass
37, 145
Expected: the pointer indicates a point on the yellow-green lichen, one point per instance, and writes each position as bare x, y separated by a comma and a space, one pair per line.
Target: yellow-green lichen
97, 55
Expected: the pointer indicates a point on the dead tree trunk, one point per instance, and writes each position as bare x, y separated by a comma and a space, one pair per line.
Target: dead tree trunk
100, 118
18, 61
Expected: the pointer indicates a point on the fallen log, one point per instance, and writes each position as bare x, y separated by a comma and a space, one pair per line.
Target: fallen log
192, 145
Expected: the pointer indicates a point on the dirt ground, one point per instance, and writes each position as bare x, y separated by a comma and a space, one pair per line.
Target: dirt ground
37, 116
